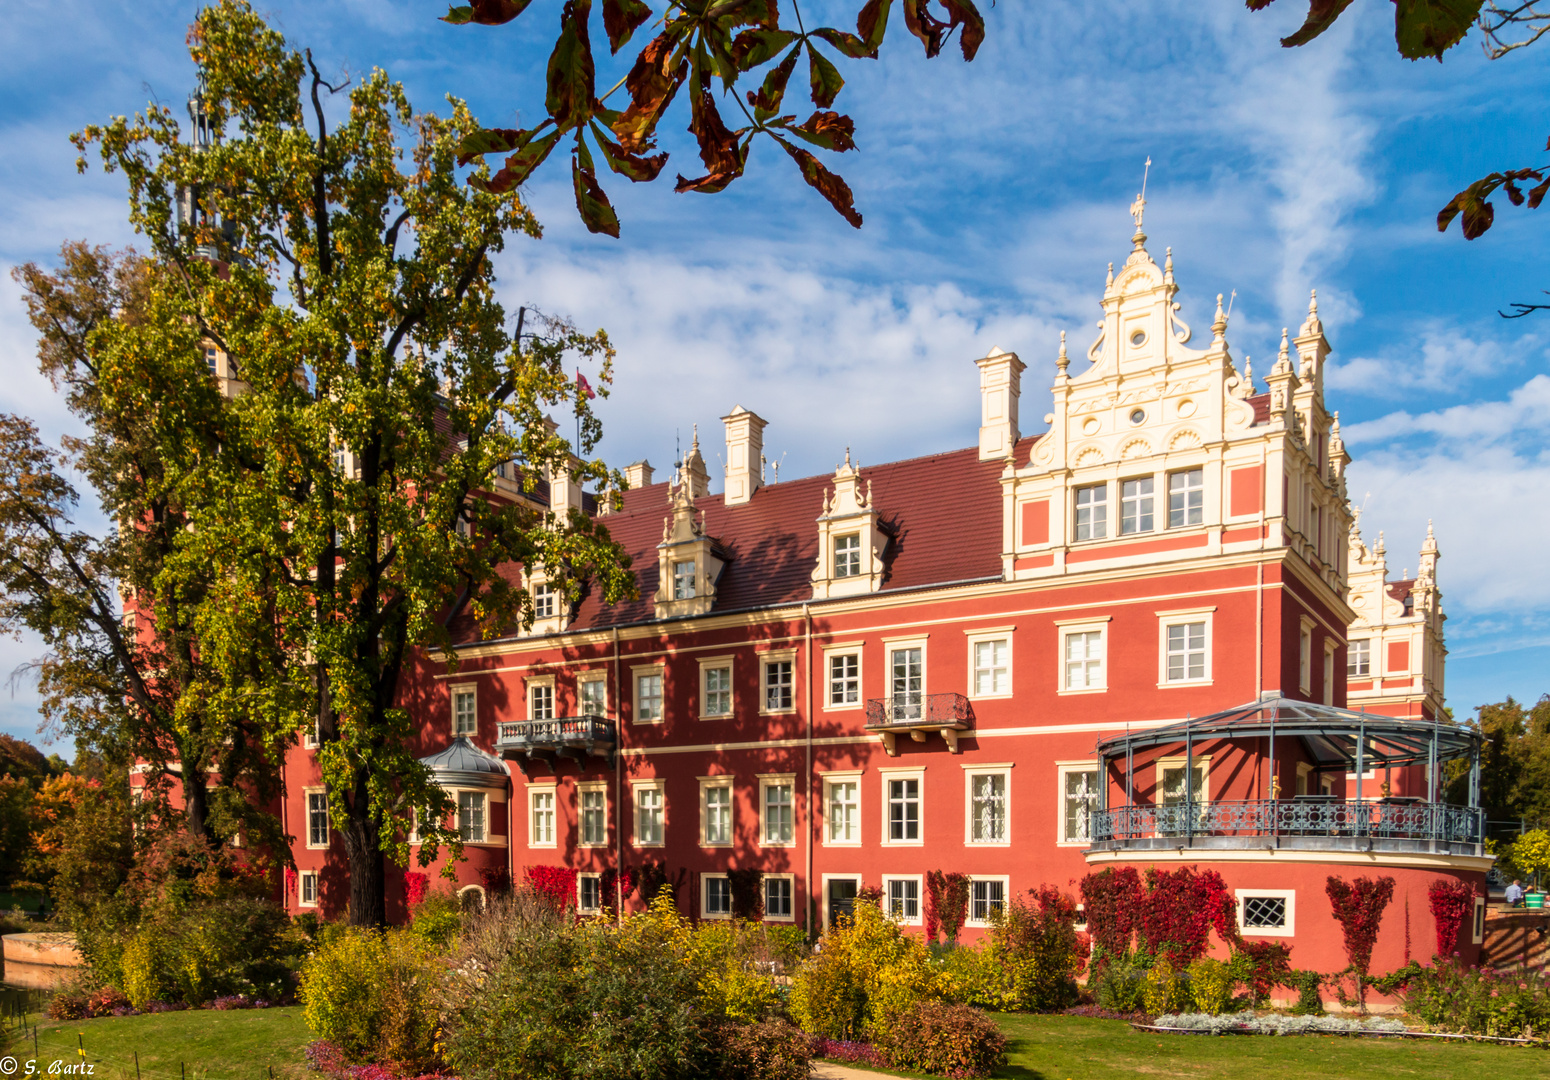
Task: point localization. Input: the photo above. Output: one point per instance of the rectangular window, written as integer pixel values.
(309, 889)
(718, 815)
(1305, 659)
(1084, 660)
(594, 697)
(904, 810)
(1135, 506)
(777, 686)
(777, 828)
(1171, 778)
(212, 361)
(1358, 659)
(777, 897)
(589, 893)
(541, 702)
(1267, 912)
(317, 819)
(544, 602)
(987, 808)
(844, 679)
(901, 899)
(683, 580)
(648, 698)
(718, 691)
(470, 816)
(1329, 674)
(1078, 802)
(1092, 512)
(1186, 651)
(992, 673)
(464, 716)
(847, 555)
(594, 817)
(648, 815)
(986, 896)
(906, 684)
(718, 896)
(1186, 498)
(542, 817)
(844, 811)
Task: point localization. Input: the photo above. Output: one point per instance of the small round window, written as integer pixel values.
(1137, 415)
(1138, 337)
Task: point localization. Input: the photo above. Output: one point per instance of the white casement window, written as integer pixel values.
(987, 895)
(842, 797)
(715, 812)
(1304, 777)
(906, 682)
(650, 814)
(545, 602)
(1329, 673)
(1170, 784)
(988, 807)
(540, 699)
(465, 528)
(1358, 659)
(991, 659)
(648, 695)
(308, 889)
(541, 816)
(1082, 658)
(1092, 512)
(1135, 506)
(309, 738)
(1305, 656)
(589, 893)
(465, 716)
(779, 898)
(317, 819)
(844, 679)
(683, 580)
(1267, 912)
(593, 813)
(716, 688)
(1186, 650)
(1079, 800)
(1477, 924)
(847, 555)
(593, 695)
(715, 896)
(901, 899)
(901, 804)
(778, 686)
(776, 824)
(1186, 498)
(213, 362)
(470, 817)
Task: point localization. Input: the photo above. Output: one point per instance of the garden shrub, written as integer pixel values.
(1272, 1024)
(1120, 984)
(1036, 947)
(866, 970)
(1468, 1001)
(1180, 909)
(737, 966)
(1211, 984)
(373, 995)
(1262, 966)
(557, 884)
(1358, 907)
(788, 944)
(437, 918)
(198, 952)
(935, 1037)
(768, 1050)
(1307, 985)
(417, 887)
(1111, 901)
(1164, 989)
(971, 976)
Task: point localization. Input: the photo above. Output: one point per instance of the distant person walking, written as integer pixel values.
(1515, 893)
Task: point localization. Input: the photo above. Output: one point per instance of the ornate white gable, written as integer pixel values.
(850, 541)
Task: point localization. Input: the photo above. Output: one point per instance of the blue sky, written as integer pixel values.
(994, 193)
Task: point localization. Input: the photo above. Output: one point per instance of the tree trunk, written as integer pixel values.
(196, 802)
(368, 864)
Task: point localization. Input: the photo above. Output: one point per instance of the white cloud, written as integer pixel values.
(1478, 425)
(1440, 357)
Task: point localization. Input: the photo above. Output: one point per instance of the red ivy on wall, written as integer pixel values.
(496, 880)
(612, 879)
(557, 884)
(1451, 902)
(947, 904)
(416, 887)
(1270, 962)
(290, 881)
(1359, 908)
(1111, 900)
(1172, 913)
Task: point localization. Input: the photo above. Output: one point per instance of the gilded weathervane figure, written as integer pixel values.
(1138, 208)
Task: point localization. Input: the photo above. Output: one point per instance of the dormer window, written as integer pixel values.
(1135, 506)
(847, 555)
(683, 580)
(1092, 512)
(544, 603)
(212, 360)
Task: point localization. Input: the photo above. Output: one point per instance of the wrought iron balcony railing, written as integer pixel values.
(919, 714)
(576, 737)
(1311, 823)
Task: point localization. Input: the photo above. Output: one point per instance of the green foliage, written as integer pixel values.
(1211, 984)
(1035, 944)
(736, 960)
(789, 944)
(373, 995)
(437, 919)
(1425, 29)
(1307, 984)
(865, 971)
(972, 976)
(1514, 762)
(935, 1037)
(1164, 988)
(766, 1050)
(1120, 984)
(1529, 856)
(1451, 998)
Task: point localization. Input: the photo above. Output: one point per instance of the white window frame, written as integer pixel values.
(302, 879)
(1289, 895)
(707, 783)
(1184, 617)
(1201, 762)
(830, 654)
(1365, 654)
(1062, 770)
(705, 912)
(591, 787)
(472, 691)
(533, 792)
(1330, 648)
(791, 884)
(1305, 655)
(645, 671)
(1187, 492)
(766, 782)
(830, 780)
(907, 644)
(309, 738)
(483, 798)
(823, 901)
(582, 908)
(889, 775)
(1304, 779)
(976, 638)
(970, 772)
(328, 828)
(766, 661)
(1065, 628)
(1093, 504)
(683, 584)
(852, 554)
(1147, 498)
(708, 665)
(1477, 922)
(546, 601)
(636, 788)
(920, 899)
(591, 679)
(1006, 895)
(542, 686)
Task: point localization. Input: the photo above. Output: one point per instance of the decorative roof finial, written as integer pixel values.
(847, 457)
(696, 444)
(1138, 208)
(1283, 358)
(1311, 325)
(1109, 281)
(1168, 267)
(1219, 324)
(1062, 361)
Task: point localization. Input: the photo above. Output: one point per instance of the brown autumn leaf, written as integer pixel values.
(486, 12)
(720, 150)
(823, 78)
(597, 213)
(766, 102)
(490, 141)
(638, 168)
(872, 24)
(828, 130)
(652, 82)
(572, 73)
(519, 166)
(620, 20)
(828, 184)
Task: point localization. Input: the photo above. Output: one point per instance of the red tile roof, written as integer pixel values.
(1261, 403)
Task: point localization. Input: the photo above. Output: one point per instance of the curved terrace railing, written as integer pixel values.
(1309, 823)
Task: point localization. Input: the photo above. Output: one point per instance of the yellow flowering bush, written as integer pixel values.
(373, 995)
(1211, 985)
(865, 971)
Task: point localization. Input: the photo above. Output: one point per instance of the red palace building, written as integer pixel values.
(1127, 640)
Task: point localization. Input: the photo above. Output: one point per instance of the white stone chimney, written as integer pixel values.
(564, 492)
(638, 474)
(745, 448)
(1000, 383)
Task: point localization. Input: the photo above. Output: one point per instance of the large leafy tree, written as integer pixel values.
(1514, 762)
(344, 267)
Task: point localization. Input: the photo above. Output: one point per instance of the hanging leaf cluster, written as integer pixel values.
(701, 46)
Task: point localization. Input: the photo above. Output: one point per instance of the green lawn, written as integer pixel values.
(236, 1045)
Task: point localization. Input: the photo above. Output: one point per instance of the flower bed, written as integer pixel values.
(1275, 1024)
